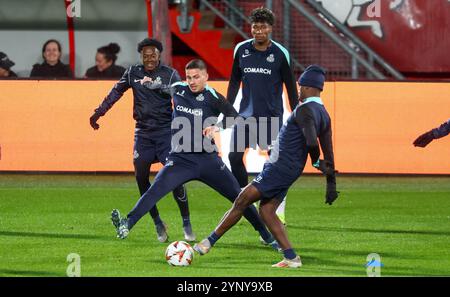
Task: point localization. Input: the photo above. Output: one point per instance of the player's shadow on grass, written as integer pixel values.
(53, 235)
(247, 246)
(323, 264)
(341, 252)
(411, 272)
(312, 260)
(15, 272)
(366, 230)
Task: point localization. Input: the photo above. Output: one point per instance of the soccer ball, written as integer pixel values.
(179, 253)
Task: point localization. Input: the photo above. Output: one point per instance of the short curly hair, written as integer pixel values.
(262, 15)
(150, 42)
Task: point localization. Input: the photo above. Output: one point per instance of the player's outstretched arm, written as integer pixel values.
(442, 131)
(226, 108)
(288, 78)
(230, 114)
(326, 144)
(306, 120)
(427, 137)
(235, 81)
(424, 139)
(114, 95)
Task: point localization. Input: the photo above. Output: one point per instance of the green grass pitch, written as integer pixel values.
(406, 220)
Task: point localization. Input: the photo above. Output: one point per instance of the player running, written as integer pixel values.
(194, 155)
(297, 139)
(152, 110)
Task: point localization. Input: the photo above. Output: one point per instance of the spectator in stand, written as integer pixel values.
(52, 67)
(5, 66)
(105, 67)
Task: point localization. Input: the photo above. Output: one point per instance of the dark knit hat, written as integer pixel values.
(149, 42)
(5, 62)
(313, 76)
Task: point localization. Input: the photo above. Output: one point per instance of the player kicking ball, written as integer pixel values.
(194, 155)
(297, 138)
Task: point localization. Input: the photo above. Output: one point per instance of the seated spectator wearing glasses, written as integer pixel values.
(105, 67)
(5, 66)
(52, 67)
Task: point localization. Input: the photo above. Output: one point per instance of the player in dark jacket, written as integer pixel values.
(152, 110)
(105, 63)
(297, 138)
(5, 67)
(52, 67)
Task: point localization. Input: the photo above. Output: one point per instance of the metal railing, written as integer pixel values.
(224, 18)
(336, 39)
(236, 13)
(342, 48)
(372, 56)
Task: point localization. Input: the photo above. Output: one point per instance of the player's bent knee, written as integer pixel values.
(266, 212)
(241, 203)
(263, 213)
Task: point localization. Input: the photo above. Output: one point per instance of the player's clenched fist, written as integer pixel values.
(93, 121)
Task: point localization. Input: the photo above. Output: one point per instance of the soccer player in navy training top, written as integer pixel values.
(297, 139)
(436, 133)
(194, 155)
(262, 65)
(152, 110)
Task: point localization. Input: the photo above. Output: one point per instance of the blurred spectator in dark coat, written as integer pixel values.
(5, 66)
(105, 67)
(52, 67)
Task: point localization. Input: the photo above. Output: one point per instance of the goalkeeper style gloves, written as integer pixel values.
(424, 139)
(331, 194)
(327, 169)
(93, 121)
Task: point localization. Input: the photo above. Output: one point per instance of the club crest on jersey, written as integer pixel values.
(200, 97)
(153, 83)
(157, 81)
(258, 179)
(246, 53)
(270, 58)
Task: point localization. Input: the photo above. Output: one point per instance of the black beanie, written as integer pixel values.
(313, 76)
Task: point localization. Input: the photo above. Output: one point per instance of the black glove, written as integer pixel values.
(424, 139)
(331, 194)
(325, 167)
(93, 121)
